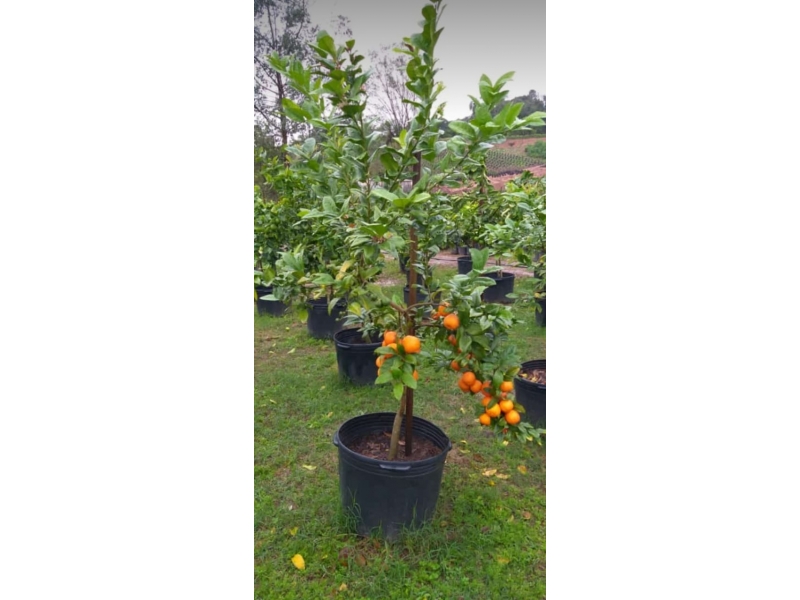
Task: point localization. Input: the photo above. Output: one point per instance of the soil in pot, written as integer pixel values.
(530, 391)
(388, 495)
(269, 307)
(356, 357)
(322, 325)
(376, 445)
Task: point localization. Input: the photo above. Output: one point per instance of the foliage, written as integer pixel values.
(384, 214)
(537, 150)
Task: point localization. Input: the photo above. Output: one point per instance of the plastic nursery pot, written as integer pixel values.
(388, 495)
(464, 264)
(356, 358)
(540, 316)
(531, 395)
(322, 325)
(504, 284)
(269, 307)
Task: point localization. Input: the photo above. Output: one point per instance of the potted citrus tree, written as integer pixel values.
(392, 489)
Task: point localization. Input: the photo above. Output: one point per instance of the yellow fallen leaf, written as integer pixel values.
(293, 530)
(463, 411)
(489, 472)
(291, 351)
(329, 415)
(343, 587)
(522, 469)
(491, 482)
(501, 476)
(297, 561)
(502, 560)
(309, 467)
(511, 519)
(505, 442)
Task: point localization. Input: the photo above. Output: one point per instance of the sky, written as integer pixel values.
(480, 37)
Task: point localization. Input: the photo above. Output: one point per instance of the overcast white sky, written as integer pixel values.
(488, 37)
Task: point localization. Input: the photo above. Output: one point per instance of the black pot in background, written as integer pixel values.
(322, 325)
(504, 284)
(464, 264)
(269, 307)
(356, 359)
(531, 395)
(540, 316)
(403, 263)
(389, 495)
(463, 250)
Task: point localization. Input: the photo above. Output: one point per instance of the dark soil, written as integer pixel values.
(534, 376)
(376, 445)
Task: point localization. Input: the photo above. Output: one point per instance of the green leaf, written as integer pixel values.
(384, 377)
(462, 128)
(409, 380)
(384, 193)
(479, 258)
(398, 390)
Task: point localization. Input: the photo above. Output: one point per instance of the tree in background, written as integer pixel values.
(284, 27)
(389, 97)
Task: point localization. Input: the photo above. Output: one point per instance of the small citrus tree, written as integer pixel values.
(382, 217)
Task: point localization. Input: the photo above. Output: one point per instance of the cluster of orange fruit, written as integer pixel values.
(469, 381)
(494, 406)
(410, 343)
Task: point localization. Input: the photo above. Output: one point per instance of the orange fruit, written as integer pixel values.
(506, 386)
(463, 386)
(494, 411)
(475, 387)
(486, 400)
(393, 346)
(455, 366)
(415, 375)
(379, 361)
(452, 339)
(442, 310)
(468, 378)
(506, 405)
(512, 417)
(389, 337)
(485, 419)
(451, 322)
(411, 344)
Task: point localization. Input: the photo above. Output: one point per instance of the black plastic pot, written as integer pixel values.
(322, 325)
(269, 307)
(531, 395)
(356, 359)
(388, 495)
(464, 264)
(504, 284)
(540, 316)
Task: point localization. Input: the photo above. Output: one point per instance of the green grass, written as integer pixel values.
(487, 539)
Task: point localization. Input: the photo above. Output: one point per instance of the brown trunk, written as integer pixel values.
(412, 299)
(284, 132)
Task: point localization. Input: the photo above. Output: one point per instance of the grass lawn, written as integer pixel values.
(487, 539)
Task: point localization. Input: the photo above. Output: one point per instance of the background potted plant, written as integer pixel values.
(392, 491)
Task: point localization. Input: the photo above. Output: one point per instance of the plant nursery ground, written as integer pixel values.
(487, 539)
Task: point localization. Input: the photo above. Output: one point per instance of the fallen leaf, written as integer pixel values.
(505, 442)
(322, 388)
(489, 472)
(309, 467)
(273, 401)
(526, 515)
(501, 476)
(522, 469)
(297, 561)
(511, 519)
(291, 351)
(361, 560)
(491, 482)
(329, 415)
(463, 411)
(343, 587)
(477, 457)
(293, 530)
(502, 560)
